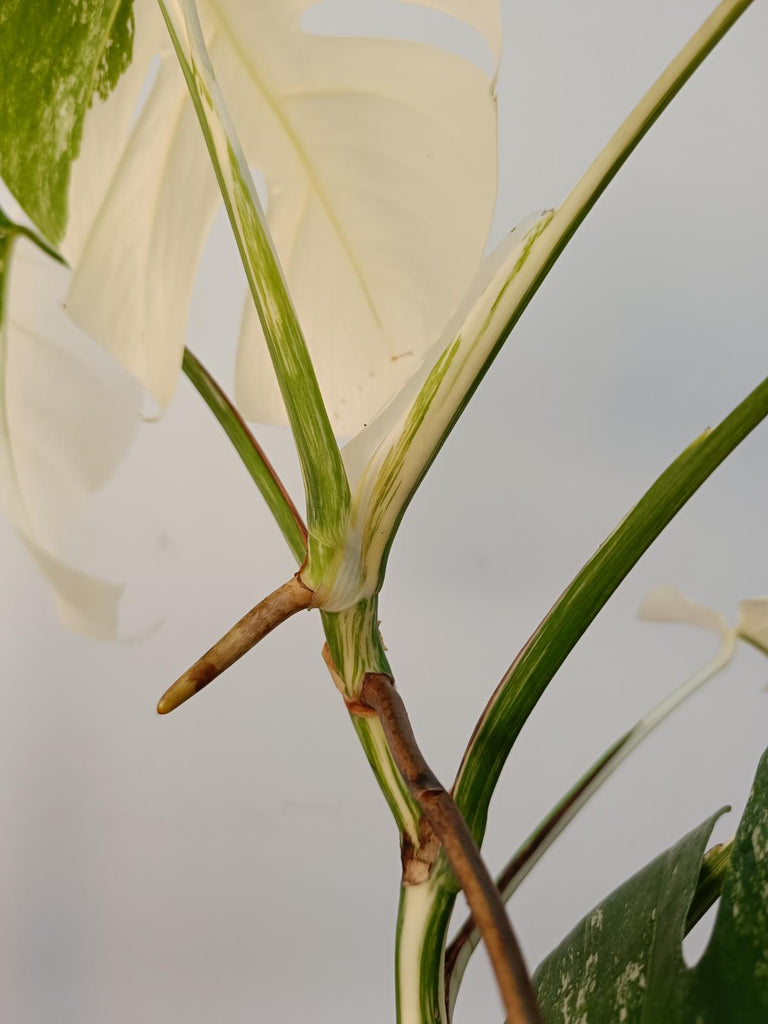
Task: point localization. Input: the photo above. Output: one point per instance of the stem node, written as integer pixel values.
(378, 692)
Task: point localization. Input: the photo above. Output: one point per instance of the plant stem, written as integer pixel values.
(278, 606)
(422, 922)
(354, 647)
(378, 692)
(468, 937)
(254, 458)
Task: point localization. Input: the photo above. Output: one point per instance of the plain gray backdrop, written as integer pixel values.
(235, 861)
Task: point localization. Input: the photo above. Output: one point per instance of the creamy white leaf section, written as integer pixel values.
(107, 128)
(386, 460)
(669, 604)
(67, 417)
(753, 621)
(142, 201)
(380, 162)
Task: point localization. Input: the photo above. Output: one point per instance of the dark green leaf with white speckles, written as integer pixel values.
(603, 969)
(624, 963)
(53, 58)
(730, 982)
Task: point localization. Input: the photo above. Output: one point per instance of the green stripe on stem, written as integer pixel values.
(462, 853)
(422, 922)
(355, 648)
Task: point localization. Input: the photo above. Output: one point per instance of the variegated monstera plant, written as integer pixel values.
(363, 323)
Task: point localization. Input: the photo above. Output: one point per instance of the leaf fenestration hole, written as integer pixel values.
(697, 940)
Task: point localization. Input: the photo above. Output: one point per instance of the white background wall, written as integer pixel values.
(234, 861)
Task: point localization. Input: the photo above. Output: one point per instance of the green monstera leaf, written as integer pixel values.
(53, 61)
(624, 962)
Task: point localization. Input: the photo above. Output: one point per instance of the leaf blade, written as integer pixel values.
(732, 975)
(348, 130)
(612, 956)
(379, 204)
(641, 926)
(65, 423)
(51, 65)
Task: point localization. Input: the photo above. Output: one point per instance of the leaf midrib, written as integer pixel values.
(285, 123)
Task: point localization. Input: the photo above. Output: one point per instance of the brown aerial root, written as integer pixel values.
(437, 805)
(278, 606)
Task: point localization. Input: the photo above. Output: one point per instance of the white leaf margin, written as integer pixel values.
(67, 418)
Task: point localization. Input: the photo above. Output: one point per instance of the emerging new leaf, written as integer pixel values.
(386, 461)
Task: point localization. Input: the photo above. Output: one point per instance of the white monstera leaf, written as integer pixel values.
(67, 416)
(380, 162)
(668, 604)
(386, 460)
(753, 622)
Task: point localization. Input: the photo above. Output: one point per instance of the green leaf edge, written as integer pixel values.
(730, 980)
(681, 863)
